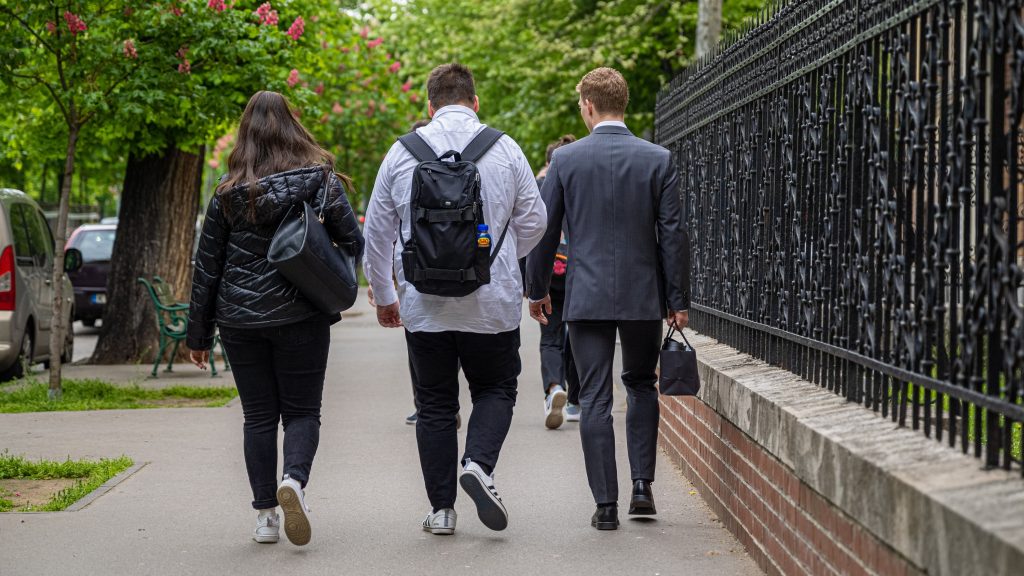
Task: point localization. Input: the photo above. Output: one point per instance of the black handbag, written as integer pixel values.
(678, 367)
(304, 253)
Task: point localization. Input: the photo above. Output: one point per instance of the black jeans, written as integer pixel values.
(556, 362)
(491, 364)
(279, 372)
(552, 345)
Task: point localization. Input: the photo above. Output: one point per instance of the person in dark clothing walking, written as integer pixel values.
(629, 269)
(276, 339)
(558, 371)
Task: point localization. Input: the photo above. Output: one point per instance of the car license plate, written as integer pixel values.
(99, 298)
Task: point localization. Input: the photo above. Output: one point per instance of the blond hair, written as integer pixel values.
(606, 89)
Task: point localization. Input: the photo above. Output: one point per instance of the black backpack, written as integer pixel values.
(441, 256)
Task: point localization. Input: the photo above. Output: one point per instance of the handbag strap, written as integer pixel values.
(673, 329)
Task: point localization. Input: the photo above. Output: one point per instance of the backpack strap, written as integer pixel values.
(501, 240)
(479, 146)
(418, 147)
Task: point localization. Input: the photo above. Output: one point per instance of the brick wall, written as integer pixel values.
(787, 527)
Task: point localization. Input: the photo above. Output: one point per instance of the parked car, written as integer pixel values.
(26, 286)
(96, 243)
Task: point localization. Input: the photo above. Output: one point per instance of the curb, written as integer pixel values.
(103, 488)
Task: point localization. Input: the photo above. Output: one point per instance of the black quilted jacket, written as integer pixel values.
(233, 283)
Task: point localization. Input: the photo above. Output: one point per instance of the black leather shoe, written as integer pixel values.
(605, 518)
(642, 502)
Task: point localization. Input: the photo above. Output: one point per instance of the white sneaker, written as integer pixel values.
(441, 522)
(267, 528)
(480, 488)
(572, 412)
(296, 514)
(553, 405)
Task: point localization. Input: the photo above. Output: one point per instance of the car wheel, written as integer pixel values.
(89, 322)
(24, 359)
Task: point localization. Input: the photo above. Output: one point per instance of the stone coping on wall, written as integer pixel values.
(934, 505)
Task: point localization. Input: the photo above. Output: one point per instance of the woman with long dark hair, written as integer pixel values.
(276, 339)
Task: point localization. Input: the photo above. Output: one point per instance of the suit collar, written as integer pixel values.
(611, 129)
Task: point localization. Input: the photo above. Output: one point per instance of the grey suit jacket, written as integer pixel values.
(629, 252)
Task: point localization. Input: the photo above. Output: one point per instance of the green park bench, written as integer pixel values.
(172, 325)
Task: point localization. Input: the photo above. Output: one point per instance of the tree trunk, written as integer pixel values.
(155, 234)
(709, 25)
(57, 324)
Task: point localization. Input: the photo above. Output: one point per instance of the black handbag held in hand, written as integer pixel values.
(678, 367)
(304, 253)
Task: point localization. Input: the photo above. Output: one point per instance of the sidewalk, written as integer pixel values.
(187, 511)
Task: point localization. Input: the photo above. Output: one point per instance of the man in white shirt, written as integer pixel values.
(480, 330)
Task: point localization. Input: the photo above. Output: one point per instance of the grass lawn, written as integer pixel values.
(82, 476)
(99, 395)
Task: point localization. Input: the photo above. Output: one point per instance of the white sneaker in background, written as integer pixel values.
(572, 412)
(268, 526)
(292, 500)
(441, 522)
(553, 405)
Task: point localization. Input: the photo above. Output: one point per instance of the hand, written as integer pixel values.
(369, 296)
(200, 358)
(389, 316)
(541, 309)
(679, 319)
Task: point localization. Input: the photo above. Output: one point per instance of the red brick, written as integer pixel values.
(865, 548)
(843, 530)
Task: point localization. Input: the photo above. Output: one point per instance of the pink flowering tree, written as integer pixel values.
(355, 97)
(72, 66)
(150, 84)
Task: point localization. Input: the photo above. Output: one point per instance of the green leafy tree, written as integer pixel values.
(528, 55)
(46, 48)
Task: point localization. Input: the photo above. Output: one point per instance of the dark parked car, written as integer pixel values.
(96, 243)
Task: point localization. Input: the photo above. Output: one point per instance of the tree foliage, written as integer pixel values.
(528, 55)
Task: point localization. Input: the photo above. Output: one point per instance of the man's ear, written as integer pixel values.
(476, 103)
(430, 109)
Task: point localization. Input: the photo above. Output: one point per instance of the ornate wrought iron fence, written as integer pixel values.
(852, 181)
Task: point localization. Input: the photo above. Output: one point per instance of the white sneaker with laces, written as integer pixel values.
(441, 522)
(296, 514)
(553, 405)
(268, 528)
(480, 488)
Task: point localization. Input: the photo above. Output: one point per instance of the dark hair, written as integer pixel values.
(270, 140)
(419, 124)
(567, 139)
(450, 84)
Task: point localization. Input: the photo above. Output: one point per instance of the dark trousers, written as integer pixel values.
(556, 363)
(491, 364)
(279, 372)
(552, 345)
(594, 351)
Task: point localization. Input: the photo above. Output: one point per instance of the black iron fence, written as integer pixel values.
(852, 181)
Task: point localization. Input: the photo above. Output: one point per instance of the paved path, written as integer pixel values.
(187, 511)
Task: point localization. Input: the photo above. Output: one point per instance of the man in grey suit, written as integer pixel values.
(628, 266)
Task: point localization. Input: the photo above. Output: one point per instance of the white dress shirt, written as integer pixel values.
(507, 187)
(618, 123)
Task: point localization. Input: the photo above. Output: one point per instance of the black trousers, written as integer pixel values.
(556, 363)
(552, 345)
(279, 372)
(594, 351)
(492, 365)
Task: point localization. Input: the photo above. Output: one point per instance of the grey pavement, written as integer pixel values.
(187, 511)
